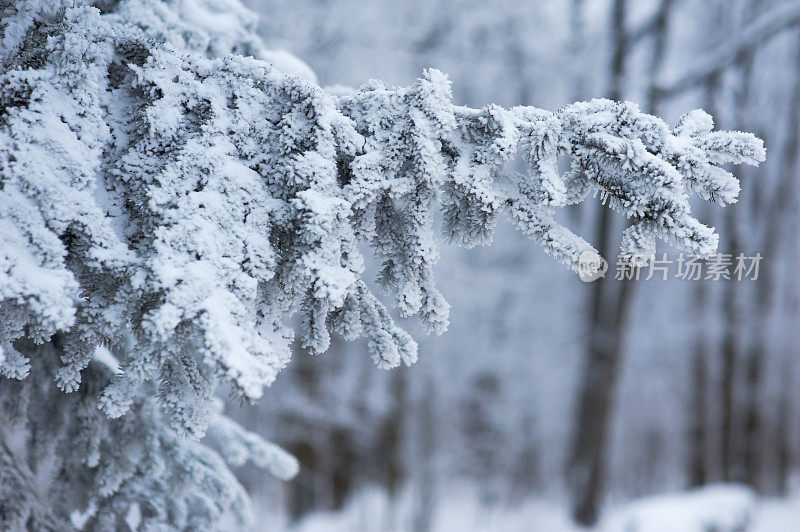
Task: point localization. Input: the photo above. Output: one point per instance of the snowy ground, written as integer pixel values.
(719, 508)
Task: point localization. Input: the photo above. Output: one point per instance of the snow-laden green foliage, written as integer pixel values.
(169, 195)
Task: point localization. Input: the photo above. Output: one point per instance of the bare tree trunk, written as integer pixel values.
(577, 35)
(699, 405)
(787, 416)
(343, 455)
(660, 27)
(729, 356)
(698, 414)
(753, 432)
(304, 491)
(784, 433)
(391, 435)
(519, 60)
(766, 287)
(785, 424)
(594, 420)
(577, 45)
(609, 304)
(733, 467)
(426, 490)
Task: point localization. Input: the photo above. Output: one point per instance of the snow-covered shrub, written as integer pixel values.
(168, 195)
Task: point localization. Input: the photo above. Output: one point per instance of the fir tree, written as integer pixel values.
(172, 201)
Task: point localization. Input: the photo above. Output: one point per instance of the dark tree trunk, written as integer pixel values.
(785, 455)
(587, 463)
(594, 420)
(774, 216)
(753, 434)
(577, 44)
(391, 435)
(733, 467)
(698, 433)
(304, 496)
(577, 33)
(699, 408)
(426, 490)
(342, 469)
(729, 356)
(609, 303)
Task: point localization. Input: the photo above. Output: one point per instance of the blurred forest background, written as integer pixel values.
(545, 386)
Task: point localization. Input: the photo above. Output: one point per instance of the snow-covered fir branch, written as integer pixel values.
(169, 194)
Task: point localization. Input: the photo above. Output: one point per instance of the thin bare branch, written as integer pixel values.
(759, 32)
